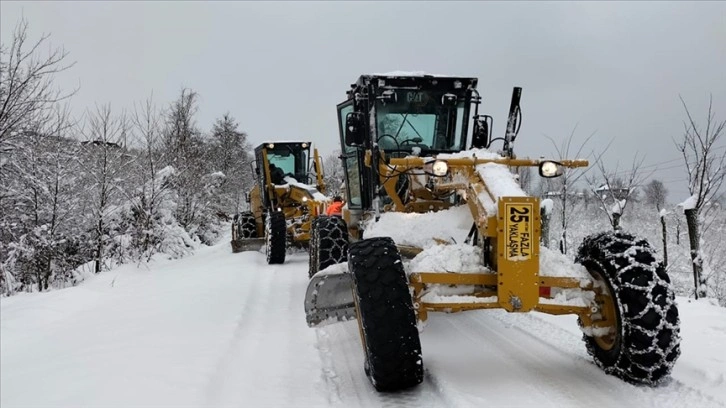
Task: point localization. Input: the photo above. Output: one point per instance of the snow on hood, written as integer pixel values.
(474, 153)
(317, 195)
(419, 230)
(500, 181)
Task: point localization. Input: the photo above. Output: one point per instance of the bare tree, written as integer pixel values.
(562, 187)
(656, 193)
(705, 167)
(616, 189)
(27, 93)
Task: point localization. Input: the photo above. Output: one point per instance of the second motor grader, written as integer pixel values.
(284, 201)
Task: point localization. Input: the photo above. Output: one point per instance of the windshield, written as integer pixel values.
(419, 119)
(291, 161)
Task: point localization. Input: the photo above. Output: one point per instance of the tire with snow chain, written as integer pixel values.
(246, 225)
(275, 237)
(312, 253)
(646, 342)
(386, 316)
(328, 243)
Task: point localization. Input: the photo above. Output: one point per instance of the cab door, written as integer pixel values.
(352, 160)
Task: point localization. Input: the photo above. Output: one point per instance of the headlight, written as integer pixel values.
(304, 145)
(270, 145)
(550, 169)
(440, 168)
(304, 199)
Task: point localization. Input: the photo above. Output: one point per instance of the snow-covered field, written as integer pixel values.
(222, 329)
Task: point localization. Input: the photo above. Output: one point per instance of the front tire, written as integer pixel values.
(641, 303)
(275, 237)
(386, 316)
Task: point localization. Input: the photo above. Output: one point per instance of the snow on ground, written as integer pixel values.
(218, 329)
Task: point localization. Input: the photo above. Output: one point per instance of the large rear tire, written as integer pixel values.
(328, 243)
(386, 316)
(275, 237)
(638, 297)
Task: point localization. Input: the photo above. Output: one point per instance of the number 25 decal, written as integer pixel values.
(519, 215)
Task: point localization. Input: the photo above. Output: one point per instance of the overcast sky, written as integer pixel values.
(280, 68)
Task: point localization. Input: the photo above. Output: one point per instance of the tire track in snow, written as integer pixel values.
(227, 359)
(328, 375)
(342, 358)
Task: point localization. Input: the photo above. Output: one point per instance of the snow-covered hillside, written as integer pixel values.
(223, 329)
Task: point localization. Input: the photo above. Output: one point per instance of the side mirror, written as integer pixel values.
(480, 133)
(257, 170)
(247, 197)
(550, 169)
(354, 128)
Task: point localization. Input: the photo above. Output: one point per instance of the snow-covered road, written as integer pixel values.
(226, 330)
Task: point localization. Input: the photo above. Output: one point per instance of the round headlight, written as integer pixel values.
(270, 145)
(304, 145)
(304, 199)
(548, 169)
(440, 168)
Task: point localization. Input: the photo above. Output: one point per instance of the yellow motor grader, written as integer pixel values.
(284, 201)
(418, 189)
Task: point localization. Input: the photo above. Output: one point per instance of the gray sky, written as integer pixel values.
(280, 68)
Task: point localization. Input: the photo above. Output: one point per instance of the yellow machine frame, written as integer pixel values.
(514, 283)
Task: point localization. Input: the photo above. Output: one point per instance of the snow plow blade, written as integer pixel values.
(247, 244)
(329, 299)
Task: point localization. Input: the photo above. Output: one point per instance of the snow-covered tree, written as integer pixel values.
(613, 190)
(105, 161)
(231, 154)
(196, 182)
(333, 174)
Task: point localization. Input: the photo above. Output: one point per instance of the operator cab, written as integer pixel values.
(401, 114)
(287, 161)
(284, 163)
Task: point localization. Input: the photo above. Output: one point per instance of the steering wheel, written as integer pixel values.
(416, 142)
(398, 145)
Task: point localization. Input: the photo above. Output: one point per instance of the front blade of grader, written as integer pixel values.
(329, 298)
(247, 244)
